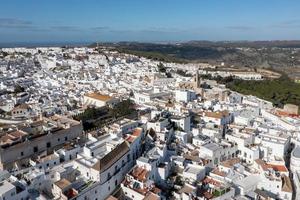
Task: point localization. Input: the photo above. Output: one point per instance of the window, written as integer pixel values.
(22, 153)
(116, 182)
(35, 149)
(48, 144)
(216, 161)
(128, 157)
(66, 138)
(58, 139)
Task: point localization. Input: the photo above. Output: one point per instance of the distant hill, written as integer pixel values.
(280, 55)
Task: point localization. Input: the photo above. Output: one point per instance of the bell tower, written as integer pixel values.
(197, 80)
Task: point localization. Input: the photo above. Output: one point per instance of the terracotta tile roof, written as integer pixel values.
(151, 196)
(193, 158)
(6, 139)
(140, 173)
(156, 190)
(63, 183)
(47, 158)
(22, 106)
(71, 193)
(18, 133)
(265, 166)
(286, 184)
(218, 172)
(98, 96)
(208, 180)
(208, 195)
(285, 113)
(280, 168)
(217, 115)
(12, 136)
(109, 159)
(130, 138)
(230, 163)
(137, 132)
(111, 198)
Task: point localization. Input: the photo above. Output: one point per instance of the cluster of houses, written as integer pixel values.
(192, 138)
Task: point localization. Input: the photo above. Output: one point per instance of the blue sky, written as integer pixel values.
(148, 20)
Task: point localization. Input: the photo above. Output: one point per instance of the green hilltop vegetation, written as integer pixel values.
(153, 55)
(279, 91)
(260, 54)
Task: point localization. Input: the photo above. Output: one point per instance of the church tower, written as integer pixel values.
(197, 80)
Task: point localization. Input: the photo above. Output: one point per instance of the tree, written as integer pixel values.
(19, 89)
(169, 75)
(161, 68)
(123, 108)
(131, 94)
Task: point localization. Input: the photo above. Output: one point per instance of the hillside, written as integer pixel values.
(279, 55)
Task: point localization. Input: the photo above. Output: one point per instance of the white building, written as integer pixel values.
(139, 185)
(185, 95)
(295, 160)
(193, 173)
(182, 122)
(273, 146)
(13, 191)
(218, 152)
